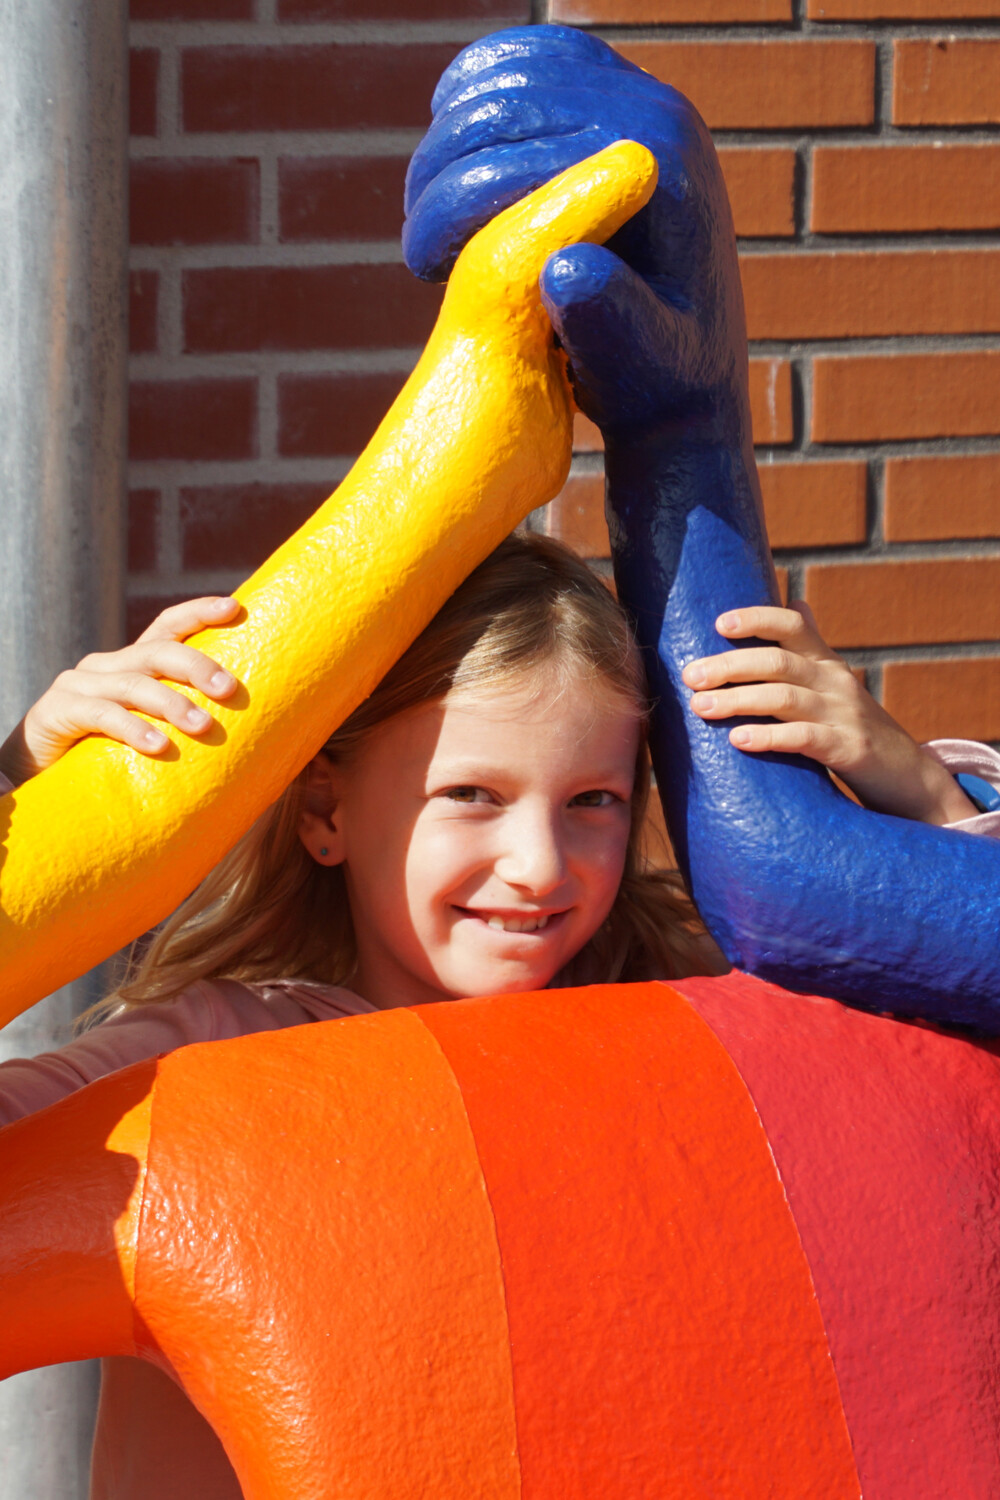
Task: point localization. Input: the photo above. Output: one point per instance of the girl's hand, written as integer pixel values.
(96, 696)
(822, 711)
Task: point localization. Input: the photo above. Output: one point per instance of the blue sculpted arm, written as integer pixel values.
(796, 883)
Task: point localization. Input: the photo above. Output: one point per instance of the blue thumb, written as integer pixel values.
(626, 348)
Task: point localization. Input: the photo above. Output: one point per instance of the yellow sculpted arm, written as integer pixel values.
(105, 843)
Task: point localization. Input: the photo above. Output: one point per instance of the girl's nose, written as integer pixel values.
(534, 855)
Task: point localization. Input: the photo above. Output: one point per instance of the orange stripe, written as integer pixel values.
(665, 1333)
(69, 1177)
(318, 1261)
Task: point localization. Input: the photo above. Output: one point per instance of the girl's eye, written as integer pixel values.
(467, 794)
(594, 799)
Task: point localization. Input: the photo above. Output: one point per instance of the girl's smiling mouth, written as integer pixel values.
(500, 921)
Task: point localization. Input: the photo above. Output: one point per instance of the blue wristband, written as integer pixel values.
(985, 797)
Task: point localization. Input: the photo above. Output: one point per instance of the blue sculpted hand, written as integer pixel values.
(653, 321)
(796, 883)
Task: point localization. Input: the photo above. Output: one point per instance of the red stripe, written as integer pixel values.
(664, 1331)
(887, 1138)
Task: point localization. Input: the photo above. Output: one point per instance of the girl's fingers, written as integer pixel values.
(159, 658)
(184, 664)
(181, 620)
(778, 700)
(802, 608)
(102, 716)
(817, 741)
(74, 709)
(793, 627)
(755, 664)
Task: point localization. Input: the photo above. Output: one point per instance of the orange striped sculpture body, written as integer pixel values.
(641, 1240)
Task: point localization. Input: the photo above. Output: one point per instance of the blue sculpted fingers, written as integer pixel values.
(519, 112)
(467, 194)
(524, 43)
(506, 97)
(618, 336)
(536, 99)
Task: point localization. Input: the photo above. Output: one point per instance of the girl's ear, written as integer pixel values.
(319, 828)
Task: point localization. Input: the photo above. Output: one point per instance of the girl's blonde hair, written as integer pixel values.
(269, 911)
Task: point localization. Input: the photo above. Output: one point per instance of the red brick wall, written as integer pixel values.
(273, 321)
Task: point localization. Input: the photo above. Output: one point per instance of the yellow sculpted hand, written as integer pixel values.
(106, 842)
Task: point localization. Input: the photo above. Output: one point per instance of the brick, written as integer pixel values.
(770, 409)
(586, 435)
(341, 197)
(901, 10)
(143, 305)
(143, 90)
(193, 419)
(767, 83)
(906, 603)
(953, 699)
(946, 81)
(782, 576)
(885, 397)
(306, 307)
(933, 499)
(509, 12)
(191, 10)
(849, 294)
(324, 415)
(239, 525)
(335, 87)
(895, 189)
(815, 504)
(576, 516)
(771, 402)
(761, 185)
(143, 524)
(805, 505)
(193, 201)
(668, 12)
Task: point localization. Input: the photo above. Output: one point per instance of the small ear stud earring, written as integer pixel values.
(324, 853)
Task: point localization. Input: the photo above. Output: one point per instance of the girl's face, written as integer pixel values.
(483, 837)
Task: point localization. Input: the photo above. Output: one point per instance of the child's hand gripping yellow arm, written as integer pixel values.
(105, 843)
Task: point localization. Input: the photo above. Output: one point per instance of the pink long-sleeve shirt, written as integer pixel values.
(151, 1443)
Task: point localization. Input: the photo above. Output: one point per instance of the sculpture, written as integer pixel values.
(642, 1239)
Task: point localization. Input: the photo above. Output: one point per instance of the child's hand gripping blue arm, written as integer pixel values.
(796, 883)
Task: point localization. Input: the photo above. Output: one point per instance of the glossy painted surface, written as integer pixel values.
(708, 1239)
(887, 1138)
(479, 436)
(796, 883)
(664, 1331)
(67, 1279)
(334, 1302)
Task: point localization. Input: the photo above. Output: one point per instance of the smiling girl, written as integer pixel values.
(474, 828)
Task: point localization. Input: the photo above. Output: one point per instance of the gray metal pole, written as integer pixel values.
(63, 325)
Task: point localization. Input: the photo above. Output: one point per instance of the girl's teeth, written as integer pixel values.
(515, 924)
